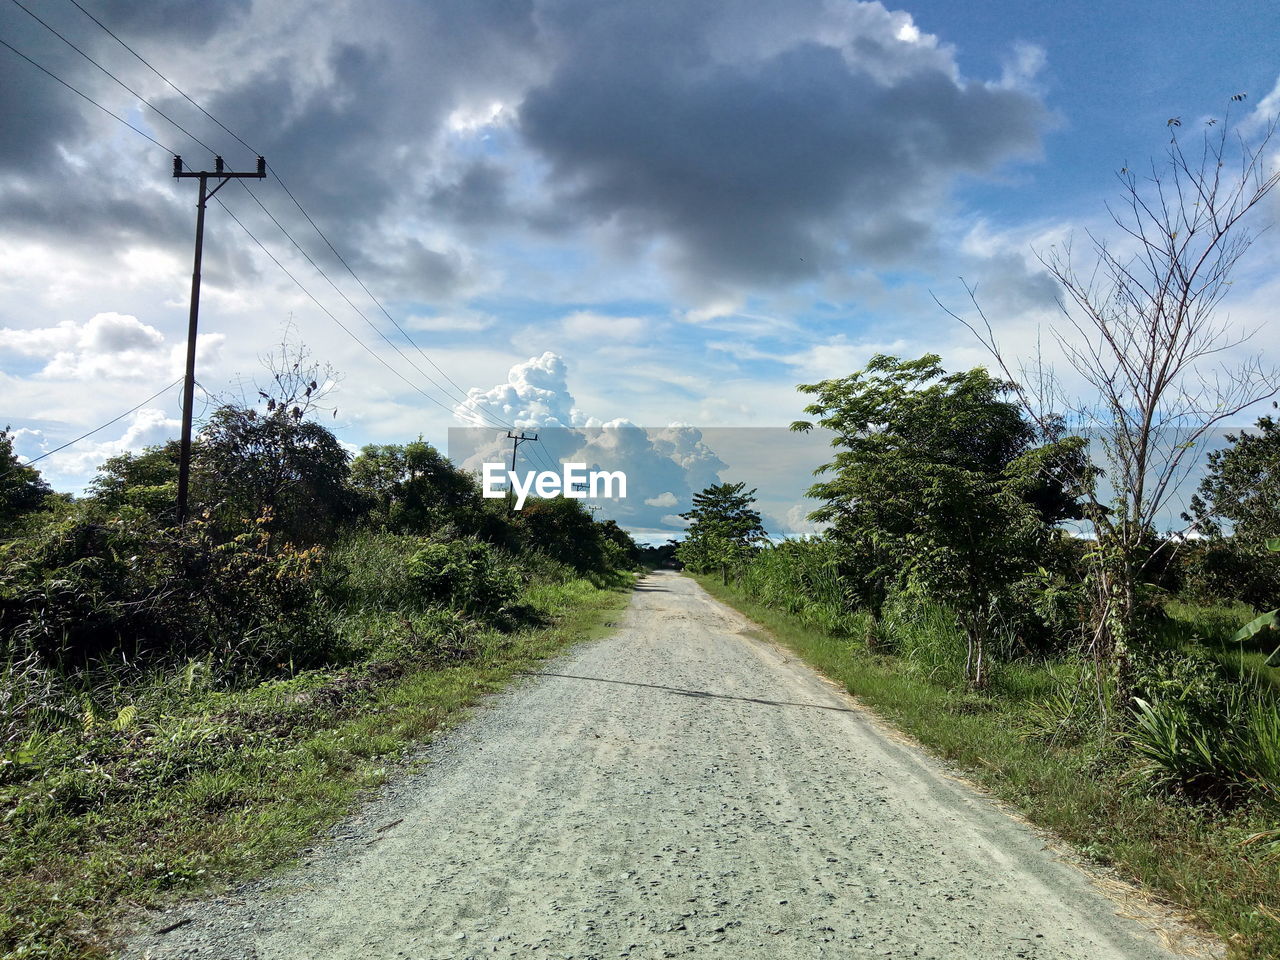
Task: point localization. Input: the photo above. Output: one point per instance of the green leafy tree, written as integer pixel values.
(1242, 486)
(22, 489)
(1237, 507)
(724, 529)
(564, 530)
(148, 479)
(248, 464)
(413, 488)
(937, 482)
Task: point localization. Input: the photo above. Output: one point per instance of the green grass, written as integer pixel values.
(1194, 856)
(1211, 628)
(205, 788)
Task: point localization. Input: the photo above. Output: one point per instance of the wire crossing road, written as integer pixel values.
(681, 787)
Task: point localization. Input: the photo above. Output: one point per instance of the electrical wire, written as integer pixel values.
(84, 436)
(462, 396)
(54, 31)
(329, 313)
(148, 65)
(79, 93)
(320, 270)
(170, 150)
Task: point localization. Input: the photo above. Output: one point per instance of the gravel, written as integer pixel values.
(683, 786)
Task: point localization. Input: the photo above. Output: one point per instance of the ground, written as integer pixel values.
(681, 786)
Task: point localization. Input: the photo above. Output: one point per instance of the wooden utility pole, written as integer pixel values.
(189, 386)
(515, 445)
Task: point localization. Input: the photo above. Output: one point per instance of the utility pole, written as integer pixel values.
(189, 386)
(515, 445)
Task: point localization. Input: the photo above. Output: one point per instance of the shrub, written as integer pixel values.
(466, 574)
(89, 585)
(1202, 737)
(1069, 713)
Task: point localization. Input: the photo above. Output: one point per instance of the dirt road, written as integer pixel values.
(680, 787)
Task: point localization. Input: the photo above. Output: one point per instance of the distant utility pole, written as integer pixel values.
(189, 388)
(515, 445)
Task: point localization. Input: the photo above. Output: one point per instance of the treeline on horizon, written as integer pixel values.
(283, 524)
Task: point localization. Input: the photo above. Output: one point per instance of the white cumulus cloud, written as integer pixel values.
(107, 345)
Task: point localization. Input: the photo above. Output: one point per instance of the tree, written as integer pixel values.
(413, 488)
(1241, 487)
(148, 479)
(937, 482)
(248, 464)
(277, 460)
(723, 531)
(22, 489)
(1142, 331)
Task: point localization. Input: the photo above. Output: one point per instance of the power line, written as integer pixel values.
(85, 96)
(148, 65)
(461, 396)
(320, 270)
(84, 436)
(330, 314)
(463, 399)
(169, 150)
(54, 31)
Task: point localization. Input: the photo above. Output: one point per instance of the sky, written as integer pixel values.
(582, 213)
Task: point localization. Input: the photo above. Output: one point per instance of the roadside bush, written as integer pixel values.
(1228, 756)
(924, 633)
(438, 636)
(1192, 679)
(465, 574)
(800, 577)
(88, 585)
(1068, 714)
(1220, 570)
(1201, 736)
(369, 569)
(1045, 613)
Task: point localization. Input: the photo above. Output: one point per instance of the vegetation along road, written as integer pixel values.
(683, 786)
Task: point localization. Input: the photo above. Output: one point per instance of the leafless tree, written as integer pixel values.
(1141, 328)
(300, 385)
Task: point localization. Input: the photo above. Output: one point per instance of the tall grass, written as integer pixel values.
(800, 578)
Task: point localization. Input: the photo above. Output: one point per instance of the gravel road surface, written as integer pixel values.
(681, 787)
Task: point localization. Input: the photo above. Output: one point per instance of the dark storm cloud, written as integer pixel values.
(344, 102)
(189, 21)
(34, 116)
(36, 113)
(478, 196)
(764, 168)
(760, 141)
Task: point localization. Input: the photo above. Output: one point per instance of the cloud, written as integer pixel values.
(664, 466)
(763, 149)
(107, 345)
(147, 427)
(587, 324)
(536, 395)
(738, 145)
